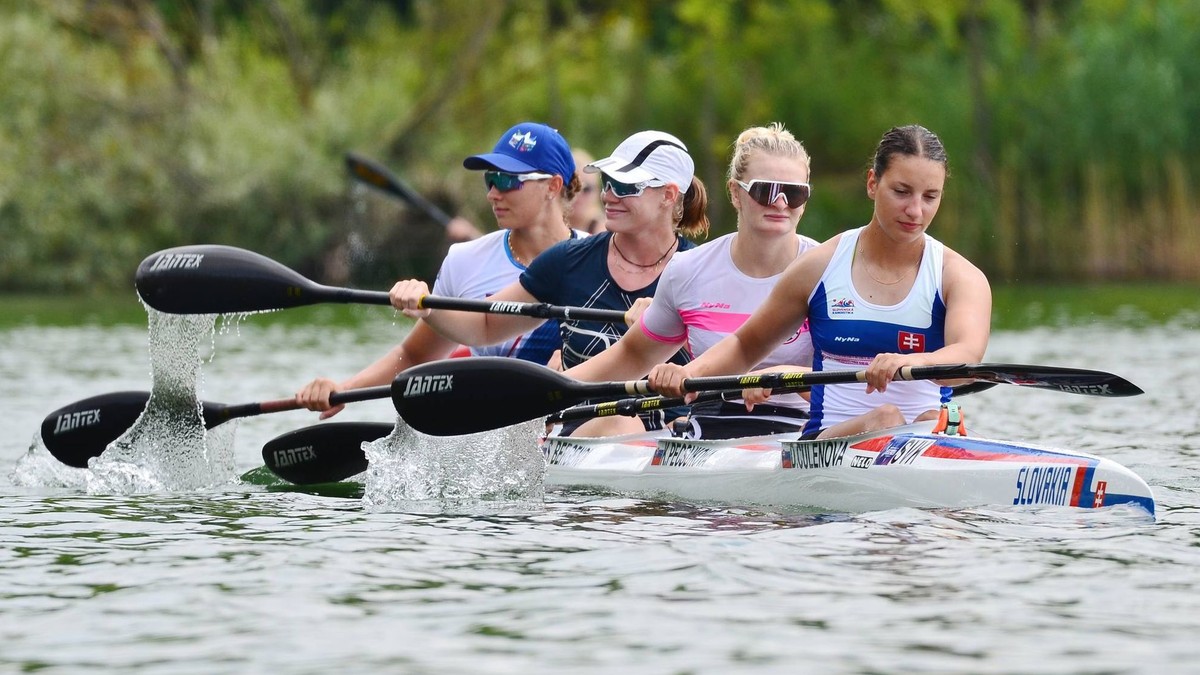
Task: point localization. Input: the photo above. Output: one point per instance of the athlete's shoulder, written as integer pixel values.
(956, 267)
(581, 245)
(806, 243)
(705, 250)
(477, 247)
(821, 253)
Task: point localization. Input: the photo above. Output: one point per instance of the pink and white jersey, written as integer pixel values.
(702, 297)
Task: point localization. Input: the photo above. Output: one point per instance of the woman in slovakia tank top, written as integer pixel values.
(880, 297)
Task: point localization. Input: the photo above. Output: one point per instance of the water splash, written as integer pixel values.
(38, 468)
(168, 448)
(487, 473)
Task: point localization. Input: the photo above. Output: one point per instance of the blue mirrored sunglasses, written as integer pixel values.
(507, 182)
(623, 190)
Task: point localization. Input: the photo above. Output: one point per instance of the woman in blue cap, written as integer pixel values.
(651, 201)
(530, 177)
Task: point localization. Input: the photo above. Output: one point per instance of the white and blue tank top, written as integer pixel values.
(848, 332)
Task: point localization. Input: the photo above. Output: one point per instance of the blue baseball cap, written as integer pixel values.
(527, 148)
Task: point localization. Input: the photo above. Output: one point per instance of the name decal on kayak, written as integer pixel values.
(904, 450)
(563, 453)
(177, 261)
(419, 385)
(290, 456)
(76, 420)
(861, 462)
(680, 454)
(1044, 485)
(813, 454)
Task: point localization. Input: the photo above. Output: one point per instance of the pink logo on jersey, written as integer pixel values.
(910, 342)
(841, 306)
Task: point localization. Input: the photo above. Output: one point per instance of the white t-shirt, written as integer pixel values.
(479, 268)
(702, 297)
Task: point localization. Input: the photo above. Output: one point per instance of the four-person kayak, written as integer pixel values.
(898, 467)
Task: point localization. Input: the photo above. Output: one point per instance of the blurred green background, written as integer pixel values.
(134, 125)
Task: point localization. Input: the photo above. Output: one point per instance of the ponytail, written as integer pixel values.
(693, 212)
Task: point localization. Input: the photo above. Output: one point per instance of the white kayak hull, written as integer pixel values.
(900, 467)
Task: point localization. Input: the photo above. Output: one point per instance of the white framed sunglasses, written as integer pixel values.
(765, 192)
(507, 182)
(623, 190)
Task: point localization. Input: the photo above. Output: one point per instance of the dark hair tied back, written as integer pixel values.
(912, 140)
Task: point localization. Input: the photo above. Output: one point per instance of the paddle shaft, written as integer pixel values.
(538, 310)
(629, 407)
(1070, 380)
(225, 413)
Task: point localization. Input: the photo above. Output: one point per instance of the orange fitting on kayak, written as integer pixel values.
(951, 421)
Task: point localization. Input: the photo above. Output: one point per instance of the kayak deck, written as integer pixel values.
(903, 466)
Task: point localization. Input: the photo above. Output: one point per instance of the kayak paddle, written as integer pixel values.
(216, 279)
(82, 430)
(375, 175)
(629, 407)
(461, 396)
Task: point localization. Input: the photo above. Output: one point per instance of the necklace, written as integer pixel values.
(867, 268)
(523, 260)
(654, 264)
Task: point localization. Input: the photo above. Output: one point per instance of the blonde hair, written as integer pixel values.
(772, 139)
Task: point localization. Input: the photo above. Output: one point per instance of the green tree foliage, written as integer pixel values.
(134, 125)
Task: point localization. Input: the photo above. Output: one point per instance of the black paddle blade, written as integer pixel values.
(82, 430)
(323, 453)
(1070, 380)
(463, 396)
(212, 279)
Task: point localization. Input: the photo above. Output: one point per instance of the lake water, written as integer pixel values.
(236, 578)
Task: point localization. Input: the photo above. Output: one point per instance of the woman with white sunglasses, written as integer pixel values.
(652, 201)
(706, 293)
(530, 177)
(880, 297)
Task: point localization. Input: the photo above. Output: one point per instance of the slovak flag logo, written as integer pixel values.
(910, 342)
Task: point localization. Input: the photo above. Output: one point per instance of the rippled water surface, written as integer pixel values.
(234, 577)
